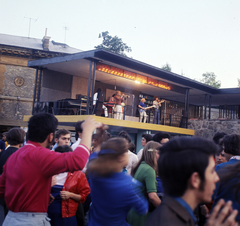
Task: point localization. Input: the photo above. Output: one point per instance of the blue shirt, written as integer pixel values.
(112, 198)
(186, 207)
(142, 105)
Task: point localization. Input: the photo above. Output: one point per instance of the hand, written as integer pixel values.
(100, 137)
(90, 124)
(65, 195)
(54, 180)
(204, 210)
(226, 217)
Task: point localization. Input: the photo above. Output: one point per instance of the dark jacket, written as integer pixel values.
(170, 213)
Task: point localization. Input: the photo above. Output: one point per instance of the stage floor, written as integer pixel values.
(70, 120)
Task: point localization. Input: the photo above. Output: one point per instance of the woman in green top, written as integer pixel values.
(145, 172)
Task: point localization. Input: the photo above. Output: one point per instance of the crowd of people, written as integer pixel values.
(100, 180)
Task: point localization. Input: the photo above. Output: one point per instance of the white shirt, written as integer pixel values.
(95, 98)
(133, 159)
(61, 178)
(74, 146)
(139, 154)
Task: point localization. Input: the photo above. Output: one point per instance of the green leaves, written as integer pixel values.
(167, 67)
(209, 78)
(113, 44)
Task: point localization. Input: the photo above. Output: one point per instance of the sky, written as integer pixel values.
(193, 36)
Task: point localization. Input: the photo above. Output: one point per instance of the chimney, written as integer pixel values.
(45, 41)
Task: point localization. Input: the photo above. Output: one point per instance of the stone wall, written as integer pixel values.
(207, 128)
(15, 101)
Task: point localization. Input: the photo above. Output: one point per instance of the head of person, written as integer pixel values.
(150, 155)
(41, 128)
(4, 136)
(99, 90)
(218, 136)
(78, 130)
(145, 138)
(106, 135)
(231, 145)
(161, 137)
(125, 135)
(112, 157)
(15, 136)
(132, 147)
(62, 137)
(186, 166)
(155, 98)
(220, 156)
(95, 139)
(143, 100)
(63, 149)
(118, 93)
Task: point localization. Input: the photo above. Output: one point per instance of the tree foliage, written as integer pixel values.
(167, 67)
(209, 78)
(113, 44)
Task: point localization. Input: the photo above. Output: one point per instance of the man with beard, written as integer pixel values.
(26, 179)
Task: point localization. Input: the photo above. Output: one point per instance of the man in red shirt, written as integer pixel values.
(26, 180)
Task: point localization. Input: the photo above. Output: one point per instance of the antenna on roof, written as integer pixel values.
(30, 19)
(65, 37)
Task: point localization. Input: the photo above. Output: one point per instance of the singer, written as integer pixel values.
(119, 99)
(157, 110)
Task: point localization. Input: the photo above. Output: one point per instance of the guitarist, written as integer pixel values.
(157, 110)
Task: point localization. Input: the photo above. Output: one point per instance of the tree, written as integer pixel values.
(113, 44)
(209, 78)
(167, 67)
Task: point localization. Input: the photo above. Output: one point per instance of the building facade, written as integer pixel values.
(17, 81)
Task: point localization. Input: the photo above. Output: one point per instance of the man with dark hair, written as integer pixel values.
(78, 135)
(218, 136)
(231, 146)
(133, 159)
(161, 137)
(220, 156)
(186, 168)
(63, 137)
(26, 179)
(145, 138)
(96, 97)
(15, 138)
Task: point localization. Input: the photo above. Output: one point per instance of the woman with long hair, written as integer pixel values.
(145, 172)
(113, 192)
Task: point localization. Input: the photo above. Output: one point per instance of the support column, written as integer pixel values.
(186, 106)
(93, 84)
(205, 107)
(89, 85)
(210, 105)
(39, 85)
(35, 89)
